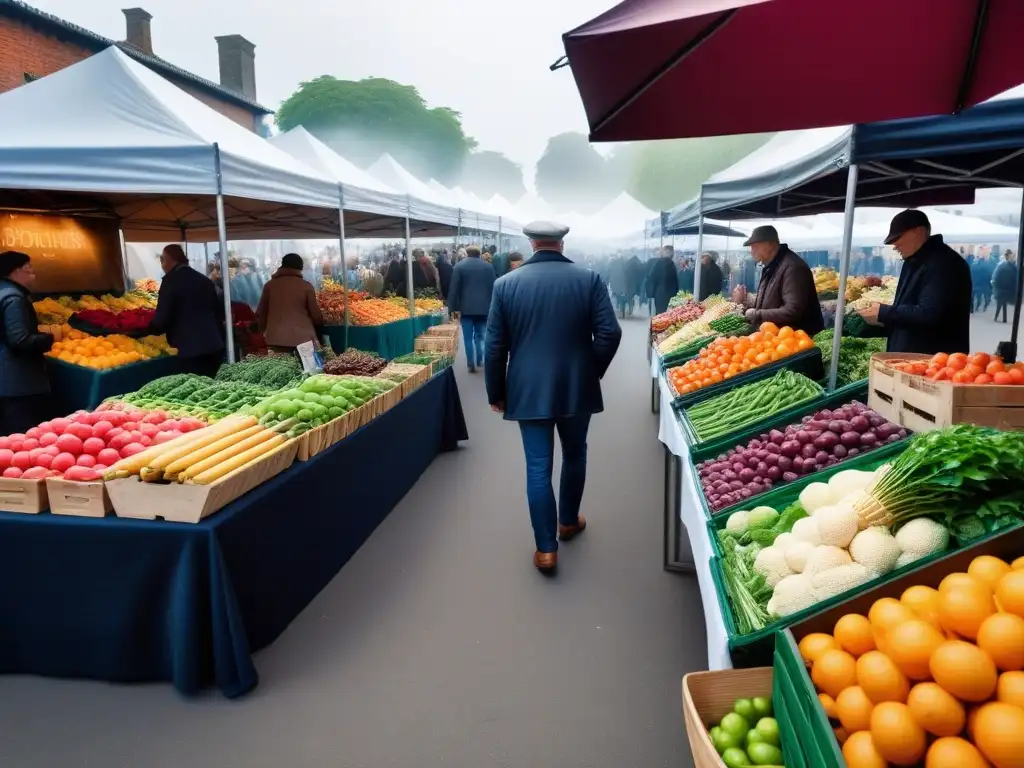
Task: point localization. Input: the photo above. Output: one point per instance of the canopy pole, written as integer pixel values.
(499, 250)
(458, 238)
(344, 259)
(844, 271)
(222, 231)
(1008, 349)
(410, 288)
(700, 247)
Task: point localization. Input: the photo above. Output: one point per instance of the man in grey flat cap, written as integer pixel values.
(551, 335)
(786, 294)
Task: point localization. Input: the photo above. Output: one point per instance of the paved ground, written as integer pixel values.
(986, 333)
(438, 645)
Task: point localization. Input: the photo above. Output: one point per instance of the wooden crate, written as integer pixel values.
(920, 404)
(710, 696)
(25, 496)
(449, 329)
(189, 502)
(441, 344)
(78, 499)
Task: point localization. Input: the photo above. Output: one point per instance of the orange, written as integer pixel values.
(853, 708)
(859, 752)
(959, 580)
(887, 612)
(957, 361)
(988, 569)
(834, 671)
(1001, 636)
(911, 644)
(828, 705)
(895, 734)
(815, 644)
(923, 601)
(963, 609)
(841, 735)
(880, 678)
(1010, 592)
(964, 670)
(953, 752)
(854, 634)
(935, 710)
(972, 719)
(1010, 689)
(999, 734)
(1017, 564)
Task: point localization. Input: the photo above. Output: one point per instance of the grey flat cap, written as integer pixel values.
(763, 234)
(545, 230)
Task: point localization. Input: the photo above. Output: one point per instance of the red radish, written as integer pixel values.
(29, 444)
(120, 441)
(129, 426)
(63, 462)
(46, 427)
(146, 440)
(5, 444)
(60, 425)
(80, 417)
(104, 406)
(52, 450)
(34, 433)
(85, 460)
(21, 460)
(113, 433)
(36, 453)
(35, 473)
(6, 454)
(100, 468)
(16, 445)
(170, 424)
(153, 418)
(101, 428)
(44, 460)
(48, 438)
(149, 429)
(108, 456)
(131, 449)
(81, 431)
(136, 436)
(165, 437)
(81, 475)
(12, 472)
(93, 446)
(69, 443)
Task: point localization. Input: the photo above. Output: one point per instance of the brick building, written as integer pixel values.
(34, 44)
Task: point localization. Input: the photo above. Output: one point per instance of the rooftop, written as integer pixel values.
(88, 38)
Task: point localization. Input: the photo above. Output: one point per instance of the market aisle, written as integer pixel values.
(438, 644)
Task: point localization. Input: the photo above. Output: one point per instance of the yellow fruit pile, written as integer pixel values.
(936, 677)
(825, 280)
(106, 352)
(50, 311)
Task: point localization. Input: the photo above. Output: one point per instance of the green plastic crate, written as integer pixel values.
(817, 739)
(1007, 544)
(710, 448)
(793, 723)
(807, 362)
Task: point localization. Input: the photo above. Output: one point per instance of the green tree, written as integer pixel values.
(363, 119)
(571, 174)
(487, 174)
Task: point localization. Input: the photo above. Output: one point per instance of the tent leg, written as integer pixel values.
(700, 250)
(1008, 349)
(222, 231)
(409, 287)
(344, 264)
(844, 271)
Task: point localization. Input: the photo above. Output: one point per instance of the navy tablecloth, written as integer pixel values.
(390, 340)
(75, 387)
(131, 601)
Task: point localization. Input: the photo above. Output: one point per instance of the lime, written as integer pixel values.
(745, 709)
(768, 727)
(754, 737)
(734, 724)
(764, 754)
(304, 415)
(762, 706)
(723, 741)
(734, 757)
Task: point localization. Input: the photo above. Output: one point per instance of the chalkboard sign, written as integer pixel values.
(69, 255)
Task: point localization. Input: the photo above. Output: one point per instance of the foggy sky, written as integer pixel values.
(485, 58)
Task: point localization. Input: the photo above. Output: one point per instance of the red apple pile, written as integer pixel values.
(84, 445)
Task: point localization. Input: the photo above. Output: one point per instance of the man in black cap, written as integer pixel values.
(932, 309)
(551, 335)
(786, 294)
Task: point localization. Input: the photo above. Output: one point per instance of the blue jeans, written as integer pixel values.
(539, 447)
(473, 329)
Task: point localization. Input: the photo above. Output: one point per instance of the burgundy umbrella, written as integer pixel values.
(660, 69)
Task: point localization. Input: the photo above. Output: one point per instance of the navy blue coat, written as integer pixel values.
(22, 346)
(551, 335)
(191, 312)
(471, 287)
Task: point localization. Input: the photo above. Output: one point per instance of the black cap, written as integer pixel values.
(904, 221)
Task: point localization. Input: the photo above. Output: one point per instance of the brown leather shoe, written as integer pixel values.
(567, 532)
(545, 561)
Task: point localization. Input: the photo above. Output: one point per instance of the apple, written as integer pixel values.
(191, 425)
(63, 462)
(5, 444)
(85, 460)
(12, 472)
(52, 450)
(6, 455)
(21, 460)
(35, 473)
(35, 453)
(156, 417)
(79, 430)
(149, 429)
(46, 426)
(100, 468)
(166, 437)
(146, 440)
(44, 460)
(69, 443)
(104, 407)
(129, 426)
(108, 456)
(29, 444)
(82, 475)
(113, 433)
(60, 425)
(131, 449)
(48, 438)
(34, 433)
(136, 436)
(93, 446)
(170, 424)
(101, 428)
(119, 441)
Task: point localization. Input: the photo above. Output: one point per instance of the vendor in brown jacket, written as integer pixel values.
(288, 312)
(786, 294)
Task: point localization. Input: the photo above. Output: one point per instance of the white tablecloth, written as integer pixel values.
(692, 516)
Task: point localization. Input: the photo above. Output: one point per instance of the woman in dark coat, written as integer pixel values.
(24, 386)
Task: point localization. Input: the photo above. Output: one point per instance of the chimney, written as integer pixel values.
(237, 65)
(138, 29)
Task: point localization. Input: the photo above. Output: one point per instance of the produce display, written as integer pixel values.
(365, 309)
(741, 407)
(82, 446)
(272, 371)
(417, 358)
(104, 352)
(715, 309)
(319, 399)
(749, 735)
(377, 312)
(854, 355)
(932, 678)
(679, 299)
(56, 311)
(424, 303)
(730, 356)
(357, 363)
(826, 283)
(195, 395)
(129, 321)
(881, 294)
(784, 456)
(958, 368)
(331, 300)
(684, 312)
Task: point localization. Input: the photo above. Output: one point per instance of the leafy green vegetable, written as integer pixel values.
(854, 355)
(747, 591)
(273, 371)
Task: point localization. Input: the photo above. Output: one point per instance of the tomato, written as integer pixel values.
(957, 361)
(980, 358)
(983, 378)
(1016, 375)
(1002, 378)
(962, 377)
(973, 371)
(940, 359)
(996, 366)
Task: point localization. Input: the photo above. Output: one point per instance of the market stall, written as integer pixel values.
(389, 340)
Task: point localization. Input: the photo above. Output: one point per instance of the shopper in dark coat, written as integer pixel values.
(981, 280)
(551, 335)
(664, 282)
(191, 313)
(786, 294)
(469, 301)
(712, 280)
(24, 386)
(1004, 284)
(932, 309)
(444, 271)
